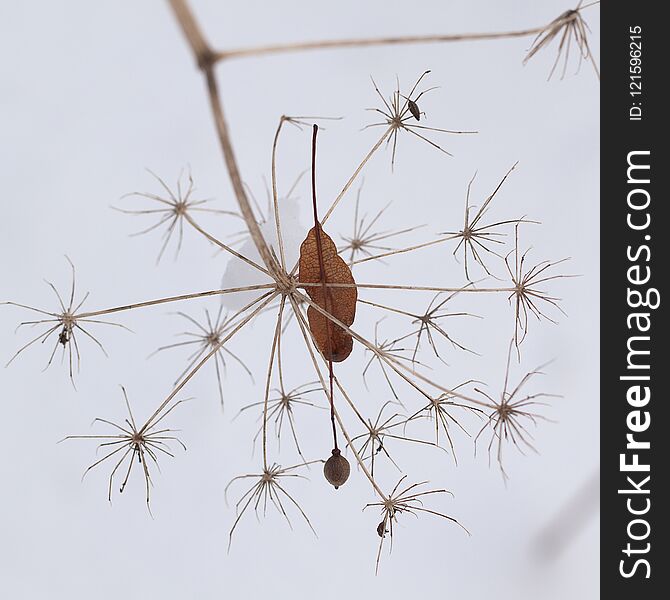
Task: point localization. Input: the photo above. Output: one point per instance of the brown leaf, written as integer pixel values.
(333, 342)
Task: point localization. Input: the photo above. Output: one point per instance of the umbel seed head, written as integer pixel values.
(336, 469)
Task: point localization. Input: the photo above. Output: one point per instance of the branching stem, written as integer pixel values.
(108, 311)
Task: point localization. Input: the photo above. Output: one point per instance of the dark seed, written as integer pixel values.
(381, 529)
(336, 469)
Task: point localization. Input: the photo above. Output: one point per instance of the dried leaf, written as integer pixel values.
(333, 342)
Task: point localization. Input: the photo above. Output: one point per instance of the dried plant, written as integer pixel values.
(146, 443)
(509, 413)
(282, 408)
(267, 486)
(400, 113)
(408, 500)
(207, 337)
(171, 211)
(526, 296)
(439, 410)
(321, 297)
(364, 240)
(570, 26)
(475, 237)
(372, 442)
(65, 323)
(389, 350)
(429, 324)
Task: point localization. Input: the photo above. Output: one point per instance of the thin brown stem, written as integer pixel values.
(107, 311)
(275, 342)
(223, 246)
(417, 288)
(205, 59)
(367, 42)
(367, 157)
(275, 196)
(404, 250)
(326, 295)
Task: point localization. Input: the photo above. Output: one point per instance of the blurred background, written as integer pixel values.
(92, 94)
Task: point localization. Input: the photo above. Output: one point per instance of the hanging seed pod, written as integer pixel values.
(336, 469)
(381, 529)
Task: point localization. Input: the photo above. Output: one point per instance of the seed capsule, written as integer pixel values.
(381, 529)
(336, 470)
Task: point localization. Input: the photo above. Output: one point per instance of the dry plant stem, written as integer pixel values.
(368, 156)
(404, 502)
(505, 418)
(275, 197)
(275, 342)
(404, 250)
(573, 27)
(427, 321)
(107, 311)
(192, 31)
(366, 42)
(405, 313)
(265, 299)
(223, 246)
(205, 59)
(233, 171)
(304, 328)
(364, 240)
(416, 288)
(326, 295)
(67, 320)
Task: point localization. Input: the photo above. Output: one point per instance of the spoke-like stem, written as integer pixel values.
(404, 250)
(233, 171)
(275, 341)
(367, 42)
(275, 196)
(368, 156)
(107, 311)
(223, 246)
(205, 59)
(326, 296)
(417, 288)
